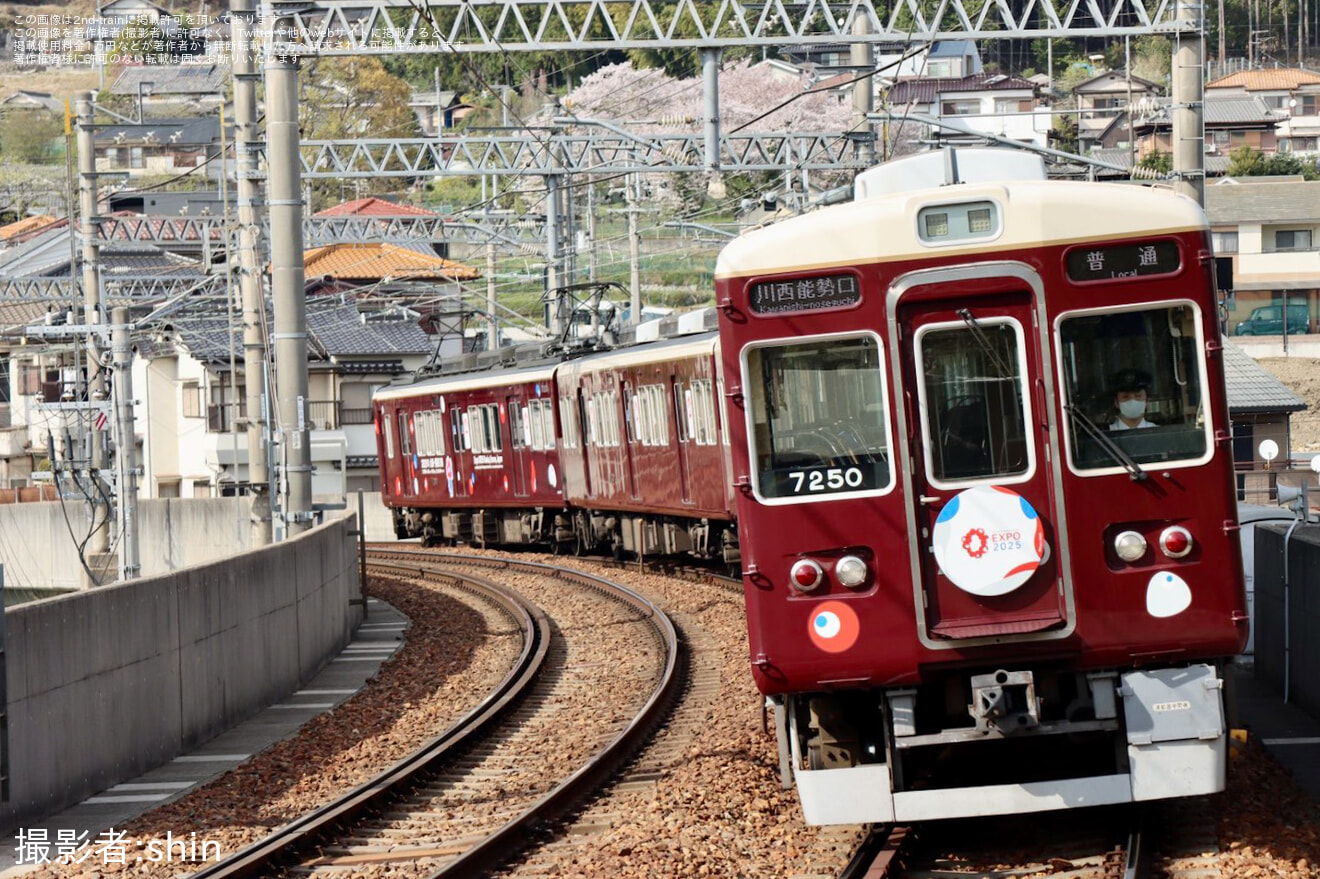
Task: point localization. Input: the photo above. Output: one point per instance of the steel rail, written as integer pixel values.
(500, 846)
(258, 859)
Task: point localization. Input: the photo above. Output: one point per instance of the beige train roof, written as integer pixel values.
(469, 381)
(885, 229)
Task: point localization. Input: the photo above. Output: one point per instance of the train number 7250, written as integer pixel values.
(830, 479)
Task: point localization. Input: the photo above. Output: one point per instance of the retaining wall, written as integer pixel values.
(107, 683)
(1303, 623)
(37, 541)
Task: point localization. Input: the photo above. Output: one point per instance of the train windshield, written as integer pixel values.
(1132, 387)
(818, 417)
(972, 400)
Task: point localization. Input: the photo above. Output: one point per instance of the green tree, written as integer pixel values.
(30, 137)
(1287, 164)
(345, 98)
(1157, 161)
(1245, 161)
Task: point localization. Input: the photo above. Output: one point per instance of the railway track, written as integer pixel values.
(1173, 840)
(480, 791)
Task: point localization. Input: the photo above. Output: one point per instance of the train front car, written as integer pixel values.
(984, 469)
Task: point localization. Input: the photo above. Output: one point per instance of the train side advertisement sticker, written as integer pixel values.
(988, 540)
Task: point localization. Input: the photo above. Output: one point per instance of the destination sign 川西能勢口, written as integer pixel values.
(804, 294)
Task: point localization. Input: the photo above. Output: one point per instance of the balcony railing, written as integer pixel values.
(321, 415)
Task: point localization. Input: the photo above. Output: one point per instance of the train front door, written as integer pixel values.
(982, 483)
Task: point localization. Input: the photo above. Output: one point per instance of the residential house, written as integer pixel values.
(438, 112)
(1230, 123)
(1300, 135)
(1269, 226)
(1291, 91)
(1103, 101)
(28, 228)
(158, 146)
(30, 101)
(384, 211)
(192, 421)
(174, 90)
(979, 104)
(1259, 408)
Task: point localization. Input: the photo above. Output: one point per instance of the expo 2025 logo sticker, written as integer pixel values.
(989, 541)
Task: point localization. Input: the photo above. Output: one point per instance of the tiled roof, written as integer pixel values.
(181, 132)
(342, 330)
(373, 262)
(1275, 80)
(927, 89)
(184, 79)
(374, 207)
(136, 260)
(24, 226)
(333, 329)
(1220, 111)
(1250, 388)
(1262, 202)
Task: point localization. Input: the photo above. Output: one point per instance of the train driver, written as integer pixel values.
(1130, 387)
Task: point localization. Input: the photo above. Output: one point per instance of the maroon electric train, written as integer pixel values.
(970, 445)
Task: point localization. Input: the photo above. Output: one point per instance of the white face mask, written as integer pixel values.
(1132, 409)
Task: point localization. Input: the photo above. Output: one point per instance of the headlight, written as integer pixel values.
(851, 571)
(1130, 546)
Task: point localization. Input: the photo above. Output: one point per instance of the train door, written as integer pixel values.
(682, 438)
(517, 446)
(405, 454)
(631, 437)
(588, 437)
(983, 478)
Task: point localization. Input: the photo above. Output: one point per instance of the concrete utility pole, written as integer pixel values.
(284, 187)
(631, 184)
(1188, 95)
(130, 566)
(862, 57)
(492, 325)
(710, 91)
(552, 248)
(246, 142)
(98, 513)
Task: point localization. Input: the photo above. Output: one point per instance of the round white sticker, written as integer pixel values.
(552, 476)
(988, 540)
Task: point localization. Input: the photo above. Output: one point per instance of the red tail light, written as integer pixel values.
(805, 575)
(1176, 542)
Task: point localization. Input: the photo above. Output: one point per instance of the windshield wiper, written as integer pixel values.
(979, 335)
(1112, 448)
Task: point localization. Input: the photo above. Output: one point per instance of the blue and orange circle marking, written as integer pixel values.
(833, 627)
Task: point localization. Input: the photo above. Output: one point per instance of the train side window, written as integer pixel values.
(518, 433)
(548, 424)
(405, 441)
(387, 426)
(535, 424)
(819, 417)
(458, 429)
(681, 414)
(973, 401)
(493, 434)
(1149, 359)
(703, 412)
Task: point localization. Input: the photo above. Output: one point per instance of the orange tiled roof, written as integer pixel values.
(27, 224)
(374, 207)
(372, 262)
(1278, 79)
